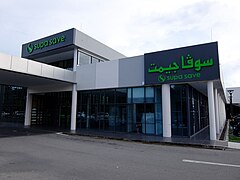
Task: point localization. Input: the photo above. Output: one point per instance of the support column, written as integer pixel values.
(220, 112)
(166, 110)
(211, 108)
(74, 94)
(223, 113)
(28, 109)
(216, 111)
(75, 59)
(74, 107)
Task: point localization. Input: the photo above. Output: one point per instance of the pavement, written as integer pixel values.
(152, 139)
(199, 141)
(39, 154)
(233, 145)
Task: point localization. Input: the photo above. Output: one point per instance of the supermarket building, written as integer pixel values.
(72, 81)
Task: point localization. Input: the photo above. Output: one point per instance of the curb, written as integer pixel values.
(234, 145)
(204, 146)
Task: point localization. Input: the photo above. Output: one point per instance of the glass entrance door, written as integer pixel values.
(139, 117)
(144, 118)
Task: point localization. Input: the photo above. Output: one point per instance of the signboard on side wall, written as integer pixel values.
(52, 42)
(187, 64)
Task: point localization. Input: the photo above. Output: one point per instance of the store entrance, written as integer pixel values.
(51, 110)
(139, 117)
(144, 115)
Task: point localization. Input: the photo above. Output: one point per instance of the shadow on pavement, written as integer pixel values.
(19, 130)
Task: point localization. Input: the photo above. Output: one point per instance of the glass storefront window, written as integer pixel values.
(189, 110)
(129, 95)
(138, 95)
(158, 94)
(178, 108)
(150, 119)
(84, 59)
(158, 117)
(12, 104)
(121, 96)
(95, 60)
(124, 109)
(108, 96)
(65, 64)
(150, 94)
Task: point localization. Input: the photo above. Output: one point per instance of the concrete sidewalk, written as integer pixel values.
(233, 145)
(152, 139)
(198, 142)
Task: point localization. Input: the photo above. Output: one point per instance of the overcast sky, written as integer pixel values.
(132, 27)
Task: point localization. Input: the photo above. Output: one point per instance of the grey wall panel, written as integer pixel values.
(88, 43)
(131, 71)
(107, 74)
(86, 77)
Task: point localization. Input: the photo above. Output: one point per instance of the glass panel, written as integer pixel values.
(12, 104)
(129, 95)
(139, 117)
(108, 110)
(149, 94)
(82, 117)
(130, 119)
(158, 94)
(65, 64)
(179, 110)
(158, 115)
(52, 109)
(108, 96)
(121, 115)
(121, 96)
(84, 59)
(149, 128)
(95, 60)
(138, 95)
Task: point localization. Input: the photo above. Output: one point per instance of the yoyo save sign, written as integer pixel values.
(193, 63)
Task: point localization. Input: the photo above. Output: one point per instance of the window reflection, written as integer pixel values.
(189, 110)
(84, 58)
(138, 95)
(124, 109)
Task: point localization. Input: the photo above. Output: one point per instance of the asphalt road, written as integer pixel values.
(51, 156)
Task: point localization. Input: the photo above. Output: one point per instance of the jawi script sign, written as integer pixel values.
(187, 64)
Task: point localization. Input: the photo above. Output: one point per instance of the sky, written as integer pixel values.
(132, 27)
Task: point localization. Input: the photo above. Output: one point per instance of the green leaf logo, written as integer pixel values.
(161, 78)
(30, 48)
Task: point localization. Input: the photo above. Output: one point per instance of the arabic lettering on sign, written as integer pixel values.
(186, 63)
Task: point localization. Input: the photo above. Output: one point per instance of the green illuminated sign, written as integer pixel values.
(32, 47)
(170, 72)
(182, 65)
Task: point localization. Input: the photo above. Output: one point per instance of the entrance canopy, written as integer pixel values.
(27, 73)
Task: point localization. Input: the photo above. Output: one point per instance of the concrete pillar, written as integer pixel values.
(224, 118)
(75, 59)
(211, 108)
(74, 94)
(28, 109)
(220, 112)
(166, 110)
(74, 107)
(216, 111)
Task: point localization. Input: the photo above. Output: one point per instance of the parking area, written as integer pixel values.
(30, 154)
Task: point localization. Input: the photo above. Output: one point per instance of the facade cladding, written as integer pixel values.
(114, 93)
